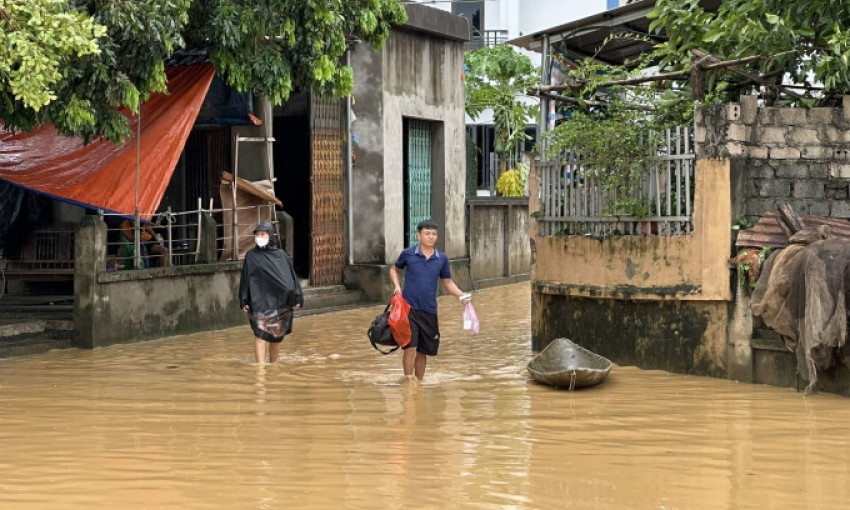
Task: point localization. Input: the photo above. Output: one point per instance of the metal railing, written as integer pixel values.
(175, 238)
(573, 201)
(485, 38)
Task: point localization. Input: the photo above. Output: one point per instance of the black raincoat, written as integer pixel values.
(269, 284)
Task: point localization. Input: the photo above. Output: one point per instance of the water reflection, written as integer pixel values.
(192, 422)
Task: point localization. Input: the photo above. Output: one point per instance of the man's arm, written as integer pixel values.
(394, 278)
(451, 288)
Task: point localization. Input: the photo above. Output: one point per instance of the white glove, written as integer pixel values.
(465, 297)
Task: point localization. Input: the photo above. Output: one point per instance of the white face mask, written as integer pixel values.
(261, 241)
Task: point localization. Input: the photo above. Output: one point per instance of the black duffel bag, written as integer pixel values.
(379, 332)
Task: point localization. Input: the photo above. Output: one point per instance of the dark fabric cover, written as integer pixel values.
(268, 282)
(801, 294)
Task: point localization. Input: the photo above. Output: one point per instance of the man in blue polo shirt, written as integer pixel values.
(424, 266)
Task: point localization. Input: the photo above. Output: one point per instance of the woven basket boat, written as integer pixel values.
(568, 365)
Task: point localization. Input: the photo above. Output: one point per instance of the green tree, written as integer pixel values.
(805, 42)
(270, 47)
(36, 37)
(498, 77)
(96, 57)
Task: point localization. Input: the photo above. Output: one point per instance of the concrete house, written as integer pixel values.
(354, 177)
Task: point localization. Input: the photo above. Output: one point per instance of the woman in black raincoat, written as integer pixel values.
(269, 291)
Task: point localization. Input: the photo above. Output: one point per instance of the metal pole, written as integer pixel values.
(543, 124)
(170, 236)
(234, 251)
(137, 245)
(349, 167)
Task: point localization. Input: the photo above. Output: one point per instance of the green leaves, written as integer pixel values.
(37, 38)
(73, 62)
(818, 32)
(498, 76)
(275, 46)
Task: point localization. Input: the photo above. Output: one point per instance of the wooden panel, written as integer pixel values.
(327, 229)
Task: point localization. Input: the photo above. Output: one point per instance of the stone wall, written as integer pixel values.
(781, 155)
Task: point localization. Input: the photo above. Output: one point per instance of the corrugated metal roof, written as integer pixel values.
(767, 232)
(583, 38)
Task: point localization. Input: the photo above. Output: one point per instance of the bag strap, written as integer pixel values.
(376, 345)
(383, 352)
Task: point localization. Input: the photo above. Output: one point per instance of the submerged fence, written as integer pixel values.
(574, 202)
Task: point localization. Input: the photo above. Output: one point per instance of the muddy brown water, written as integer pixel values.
(190, 423)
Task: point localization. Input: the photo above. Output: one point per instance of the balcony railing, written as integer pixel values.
(485, 38)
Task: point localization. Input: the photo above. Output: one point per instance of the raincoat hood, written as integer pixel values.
(267, 227)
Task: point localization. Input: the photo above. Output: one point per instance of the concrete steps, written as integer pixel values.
(21, 336)
(324, 299)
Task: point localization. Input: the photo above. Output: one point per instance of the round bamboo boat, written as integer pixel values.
(565, 364)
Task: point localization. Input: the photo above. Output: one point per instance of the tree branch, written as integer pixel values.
(752, 76)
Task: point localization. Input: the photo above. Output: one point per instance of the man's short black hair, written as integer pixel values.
(426, 224)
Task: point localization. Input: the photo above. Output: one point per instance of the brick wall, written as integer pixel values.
(794, 155)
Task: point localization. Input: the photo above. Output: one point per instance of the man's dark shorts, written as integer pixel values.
(424, 332)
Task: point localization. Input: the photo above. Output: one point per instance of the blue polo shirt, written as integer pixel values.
(422, 276)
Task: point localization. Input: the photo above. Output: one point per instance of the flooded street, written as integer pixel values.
(190, 423)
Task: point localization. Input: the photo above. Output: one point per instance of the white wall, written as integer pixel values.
(521, 17)
(536, 15)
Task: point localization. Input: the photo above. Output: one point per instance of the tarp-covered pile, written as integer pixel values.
(802, 295)
(102, 175)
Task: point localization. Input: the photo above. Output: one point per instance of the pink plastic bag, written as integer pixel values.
(470, 319)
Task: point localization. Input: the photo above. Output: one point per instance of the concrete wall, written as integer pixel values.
(636, 299)
(498, 238)
(416, 75)
(128, 306)
(422, 80)
(692, 267)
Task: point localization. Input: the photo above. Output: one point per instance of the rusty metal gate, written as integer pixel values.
(327, 228)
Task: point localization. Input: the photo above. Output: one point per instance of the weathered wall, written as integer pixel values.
(655, 302)
(778, 155)
(417, 74)
(794, 155)
(692, 267)
(422, 81)
(498, 237)
(121, 307)
(684, 337)
(368, 172)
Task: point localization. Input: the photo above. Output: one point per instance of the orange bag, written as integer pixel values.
(399, 324)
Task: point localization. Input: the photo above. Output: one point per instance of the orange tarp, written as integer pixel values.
(102, 175)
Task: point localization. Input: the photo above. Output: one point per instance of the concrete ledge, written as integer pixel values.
(22, 328)
(438, 22)
(616, 291)
(505, 280)
(160, 272)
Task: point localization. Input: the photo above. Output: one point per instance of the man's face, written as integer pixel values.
(427, 237)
